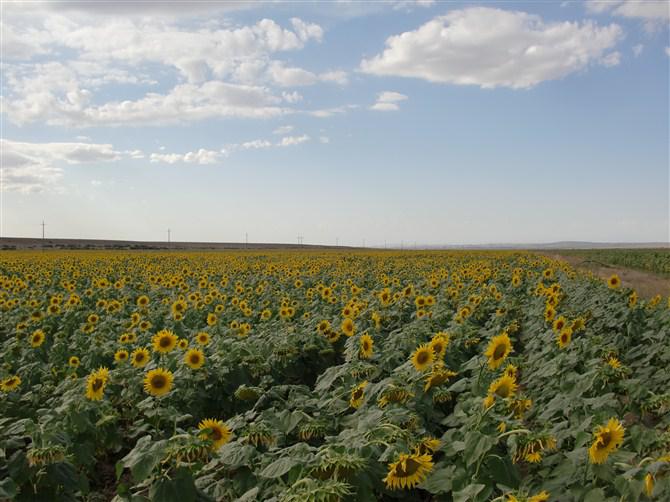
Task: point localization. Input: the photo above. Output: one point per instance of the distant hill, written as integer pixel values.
(8, 243)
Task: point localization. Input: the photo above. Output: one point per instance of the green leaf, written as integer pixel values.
(439, 480)
(279, 467)
(470, 492)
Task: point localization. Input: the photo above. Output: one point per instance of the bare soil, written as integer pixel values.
(646, 284)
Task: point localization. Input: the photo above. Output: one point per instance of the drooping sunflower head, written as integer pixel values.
(366, 345)
(194, 358)
(606, 440)
(357, 395)
(503, 387)
(498, 349)
(139, 358)
(158, 382)
(216, 431)
(422, 357)
(438, 375)
(164, 341)
(408, 471)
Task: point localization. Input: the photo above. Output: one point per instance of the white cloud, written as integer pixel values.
(293, 140)
(491, 48)
(667, 51)
(221, 71)
(324, 139)
(647, 9)
(255, 144)
(612, 59)
(33, 167)
(637, 49)
(200, 156)
(387, 101)
(653, 13)
(285, 129)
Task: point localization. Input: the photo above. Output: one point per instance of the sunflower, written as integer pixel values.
(216, 431)
(95, 384)
(194, 358)
(614, 282)
(139, 358)
(164, 341)
(649, 484)
(559, 324)
(439, 344)
(332, 335)
(422, 357)
(202, 338)
(543, 496)
(158, 382)
(212, 319)
(366, 343)
(10, 383)
(73, 362)
(564, 338)
(549, 313)
(437, 376)
(348, 327)
(143, 301)
(323, 326)
(498, 349)
(37, 338)
(121, 356)
(607, 439)
(504, 387)
(408, 471)
(357, 393)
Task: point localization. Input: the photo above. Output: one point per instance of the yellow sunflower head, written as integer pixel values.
(564, 338)
(498, 349)
(139, 358)
(366, 345)
(606, 440)
(194, 358)
(158, 382)
(357, 394)
(216, 431)
(10, 383)
(73, 362)
(121, 356)
(348, 327)
(408, 471)
(614, 282)
(202, 338)
(422, 357)
(439, 344)
(164, 341)
(503, 387)
(37, 338)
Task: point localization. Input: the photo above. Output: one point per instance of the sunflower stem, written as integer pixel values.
(515, 431)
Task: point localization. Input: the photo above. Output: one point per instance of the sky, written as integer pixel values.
(352, 122)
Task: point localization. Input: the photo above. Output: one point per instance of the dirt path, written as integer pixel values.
(646, 284)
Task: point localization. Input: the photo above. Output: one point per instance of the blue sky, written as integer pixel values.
(427, 122)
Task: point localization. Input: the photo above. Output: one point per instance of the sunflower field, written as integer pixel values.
(327, 375)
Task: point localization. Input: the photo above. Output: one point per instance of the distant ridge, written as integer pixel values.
(9, 243)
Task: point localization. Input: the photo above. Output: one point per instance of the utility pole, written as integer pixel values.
(384, 243)
(168, 236)
(363, 243)
(337, 241)
(246, 240)
(300, 238)
(43, 231)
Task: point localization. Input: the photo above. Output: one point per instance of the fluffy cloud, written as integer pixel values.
(494, 48)
(285, 129)
(32, 167)
(200, 156)
(387, 101)
(221, 71)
